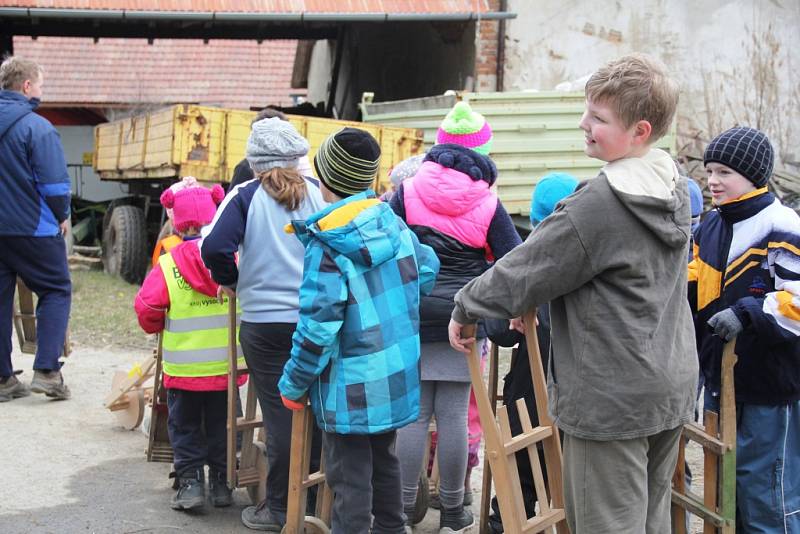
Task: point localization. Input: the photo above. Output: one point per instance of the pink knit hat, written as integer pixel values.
(192, 207)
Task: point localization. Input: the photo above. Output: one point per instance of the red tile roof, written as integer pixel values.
(228, 73)
(270, 6)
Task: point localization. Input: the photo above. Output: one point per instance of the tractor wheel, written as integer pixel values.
(125, 244)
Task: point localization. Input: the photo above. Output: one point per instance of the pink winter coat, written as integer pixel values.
(152, 303)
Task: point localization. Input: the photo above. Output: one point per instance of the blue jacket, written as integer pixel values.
(34, 182)
(747, 258)
(356, 347)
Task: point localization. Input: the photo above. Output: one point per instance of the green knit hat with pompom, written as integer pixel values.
(467, 128)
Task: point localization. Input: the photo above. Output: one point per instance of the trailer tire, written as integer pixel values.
(125, 244)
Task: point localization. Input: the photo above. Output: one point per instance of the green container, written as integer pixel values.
(534, 133)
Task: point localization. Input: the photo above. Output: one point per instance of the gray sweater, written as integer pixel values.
(611, 261)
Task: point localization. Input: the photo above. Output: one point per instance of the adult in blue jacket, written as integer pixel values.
(35, 188)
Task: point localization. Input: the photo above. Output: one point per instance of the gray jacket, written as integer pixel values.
(611, 261)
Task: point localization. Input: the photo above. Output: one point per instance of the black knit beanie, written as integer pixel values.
(347, 161)
(746, 151)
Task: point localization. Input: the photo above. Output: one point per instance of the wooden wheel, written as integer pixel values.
(129, 408)
(131, 416)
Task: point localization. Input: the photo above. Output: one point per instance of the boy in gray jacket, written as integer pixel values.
(611, 260)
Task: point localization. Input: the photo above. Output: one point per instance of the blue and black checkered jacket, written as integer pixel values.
(356, 347)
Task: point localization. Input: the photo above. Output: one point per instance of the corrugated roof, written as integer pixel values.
(236, 74)
(272, 6)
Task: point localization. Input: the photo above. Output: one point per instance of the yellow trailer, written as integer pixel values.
(148, 152)
(207, 143)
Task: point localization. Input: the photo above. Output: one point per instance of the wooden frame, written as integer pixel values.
(250, 471)
(717, 508)
(130, 392)
(501, 446)
(301, 480)
(159, 448)
(24, 319)
(494, 398)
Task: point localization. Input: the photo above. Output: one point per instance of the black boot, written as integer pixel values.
(221, 494)
(455, 520)
(191, 493)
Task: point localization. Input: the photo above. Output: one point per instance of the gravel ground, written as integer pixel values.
(72, 469)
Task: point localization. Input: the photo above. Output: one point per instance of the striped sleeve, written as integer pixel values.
(777, 315)
(784, 303)
(221, 238)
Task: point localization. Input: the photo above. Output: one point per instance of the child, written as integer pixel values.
(745, 282)
(611, 262)
(179, 299)
(171, 240)
(267, 282)
(517, 384)
(450, 206)
(356, 348)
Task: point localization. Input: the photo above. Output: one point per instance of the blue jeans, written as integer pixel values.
(41, 262)
(767, 467)
(198, 429)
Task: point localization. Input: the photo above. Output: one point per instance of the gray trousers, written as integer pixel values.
(449, 401)
(619, 487)
(364, 474)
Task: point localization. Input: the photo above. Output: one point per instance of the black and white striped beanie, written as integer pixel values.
(746, 151)
(347, 161)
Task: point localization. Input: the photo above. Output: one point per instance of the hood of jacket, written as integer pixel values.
(651, 188)
(453, 180)
(13, 106)
(193, 270)
(359, 227)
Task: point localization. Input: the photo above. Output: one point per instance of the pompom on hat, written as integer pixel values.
(192, 207)
(467, 128)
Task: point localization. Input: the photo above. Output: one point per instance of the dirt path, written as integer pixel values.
(71, 468)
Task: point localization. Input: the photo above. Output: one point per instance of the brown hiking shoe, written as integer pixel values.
(51, 383)
(11, 388)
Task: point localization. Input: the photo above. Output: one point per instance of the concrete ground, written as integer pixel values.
(70, 468)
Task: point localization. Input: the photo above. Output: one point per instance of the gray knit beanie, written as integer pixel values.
(274, 143)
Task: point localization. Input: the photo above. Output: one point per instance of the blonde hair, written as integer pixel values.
(15, 70)
(287, 186)
(637, 87)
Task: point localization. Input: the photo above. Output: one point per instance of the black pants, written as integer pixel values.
(197, 425)
(364, 474)
(266, 348)
(41, 262)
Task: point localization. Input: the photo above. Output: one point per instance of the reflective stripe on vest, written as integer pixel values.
(195, 339)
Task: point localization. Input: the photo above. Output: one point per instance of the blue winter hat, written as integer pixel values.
(550, 190)
(695, 197)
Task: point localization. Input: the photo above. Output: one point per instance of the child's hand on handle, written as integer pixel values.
(456, 341)
(294, 405)
(224, 290)
(725, 324)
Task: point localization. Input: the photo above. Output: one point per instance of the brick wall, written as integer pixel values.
(486, 52)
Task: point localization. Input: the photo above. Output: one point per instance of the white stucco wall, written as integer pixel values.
(737, 60)
(77, 141)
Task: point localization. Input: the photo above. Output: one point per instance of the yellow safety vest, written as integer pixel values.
(195, 338)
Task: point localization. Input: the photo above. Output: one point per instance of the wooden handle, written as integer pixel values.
(468, 330)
